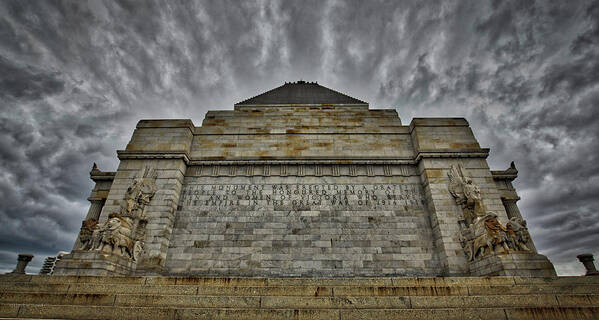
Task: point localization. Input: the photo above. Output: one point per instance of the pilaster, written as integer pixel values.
(143, 194)
(440, 143)
(164, 146)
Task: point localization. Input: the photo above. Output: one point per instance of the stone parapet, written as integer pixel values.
(166, 136)
(513, 264)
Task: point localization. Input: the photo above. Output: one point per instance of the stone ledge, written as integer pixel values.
(166, 123)
(143, 155)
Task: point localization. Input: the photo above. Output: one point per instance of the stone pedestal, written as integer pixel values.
(22, 262)
(513, 264)
(587, 260)
(94, 263)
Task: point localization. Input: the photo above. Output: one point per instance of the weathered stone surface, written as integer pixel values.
(305, 190)
(285, 298)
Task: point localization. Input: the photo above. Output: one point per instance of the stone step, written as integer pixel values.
(298, 298)
(262, 282)
(303, 302)
(296, 290)
(170, 313)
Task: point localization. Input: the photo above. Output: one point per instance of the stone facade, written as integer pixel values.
(277, 187)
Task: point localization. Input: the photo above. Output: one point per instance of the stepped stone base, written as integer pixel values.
(513, 264)
(505, 298)
(93, 263)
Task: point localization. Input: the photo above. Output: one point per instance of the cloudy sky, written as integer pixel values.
(76, 76)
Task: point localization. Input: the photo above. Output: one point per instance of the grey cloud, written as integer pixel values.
(28, 83)
(572, 76)
(588, 40)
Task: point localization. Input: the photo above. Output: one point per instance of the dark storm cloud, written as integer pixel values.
(76, 76)
(26, 83)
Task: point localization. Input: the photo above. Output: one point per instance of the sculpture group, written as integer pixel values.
(123, 233)
(480, 231)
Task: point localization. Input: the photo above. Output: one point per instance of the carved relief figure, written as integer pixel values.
(518, 233)
(139, 193)
(116, 234)
(480, 231)
(466, 193)
(488, 235)
(85, 235)
(456, 183)
(123, 234)
(474, 202)
(465, 237)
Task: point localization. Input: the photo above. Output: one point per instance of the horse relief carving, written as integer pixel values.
(518, 233)
(481, 233)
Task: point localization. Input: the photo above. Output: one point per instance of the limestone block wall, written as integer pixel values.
(301, 133)
(302, 225)
(377, 201)
(162, 136)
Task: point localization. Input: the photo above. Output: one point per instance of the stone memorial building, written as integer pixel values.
(304, 181)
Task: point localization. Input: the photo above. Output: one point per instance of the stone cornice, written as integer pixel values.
(509, 174)
(306, 161)
(273, 132)
(452, 153)
(239, 106)
(439, 153)
(98, 175)
(166, 124)
(142, 155)
(502, 175)
(104, 176)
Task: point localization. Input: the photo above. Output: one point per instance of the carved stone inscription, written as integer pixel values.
(329, 226)
(302, 195)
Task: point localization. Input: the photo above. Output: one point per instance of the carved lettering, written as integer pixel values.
(299, 195)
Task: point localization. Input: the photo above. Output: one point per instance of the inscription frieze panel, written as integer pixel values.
(330, 195)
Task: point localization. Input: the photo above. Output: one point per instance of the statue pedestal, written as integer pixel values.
(524, 264)
(150, 266)
(94, 263)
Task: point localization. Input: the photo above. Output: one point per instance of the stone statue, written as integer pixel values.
(122, 234)
(85, 235)
(466, 193)
(474, 202)
(456, 183)
(116, 234)
(487, 235)
(465, 237)
(480, 231)
(518, 233)
(139, 193)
